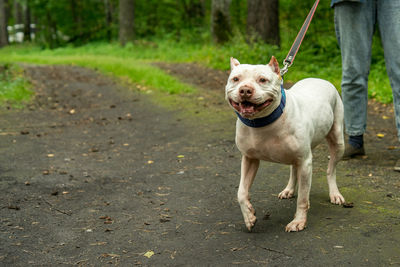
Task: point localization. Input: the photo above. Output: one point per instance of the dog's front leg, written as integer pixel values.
(248, 172)
(304, 177)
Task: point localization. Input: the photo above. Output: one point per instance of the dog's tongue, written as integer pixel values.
(246, 108)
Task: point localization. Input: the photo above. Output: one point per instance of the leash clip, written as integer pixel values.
(286, 64)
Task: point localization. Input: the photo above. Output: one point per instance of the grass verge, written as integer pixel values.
(14, 88)
(133, 61)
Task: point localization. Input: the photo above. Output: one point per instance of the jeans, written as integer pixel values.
(355, 25)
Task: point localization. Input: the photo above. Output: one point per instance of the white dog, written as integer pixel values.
(284, 126)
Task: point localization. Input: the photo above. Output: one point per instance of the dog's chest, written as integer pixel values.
(280, 148)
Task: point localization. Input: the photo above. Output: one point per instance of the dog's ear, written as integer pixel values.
(234, 63)
(273, 63)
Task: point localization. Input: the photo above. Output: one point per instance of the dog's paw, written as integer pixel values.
(337, 198)
(249, 215)
(296, 226)
(286, 193)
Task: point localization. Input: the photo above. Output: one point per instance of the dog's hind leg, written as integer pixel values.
(336, 146)
(288, 192)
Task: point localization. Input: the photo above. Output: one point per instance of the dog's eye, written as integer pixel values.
(263, 80)
(235, 79)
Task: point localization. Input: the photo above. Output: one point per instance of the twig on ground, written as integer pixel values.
(56, 209)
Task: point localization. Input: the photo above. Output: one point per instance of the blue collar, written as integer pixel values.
(264, 121)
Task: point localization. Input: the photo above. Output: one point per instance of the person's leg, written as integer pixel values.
(388, 16)
(354, 24)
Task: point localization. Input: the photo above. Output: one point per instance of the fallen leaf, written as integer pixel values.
(237, 249)
(385, 117)
(348, 205)
(72, 111)
(105, 255)
(50, 155)
(149, 254)
(180, 156)
(380, 135)
(150, 162)
(13, 207)
(162, 195)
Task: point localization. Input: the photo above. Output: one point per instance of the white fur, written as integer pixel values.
(313, 112)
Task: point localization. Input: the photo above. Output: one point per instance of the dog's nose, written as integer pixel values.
(246, 92)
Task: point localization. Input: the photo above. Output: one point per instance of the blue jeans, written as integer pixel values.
(355, 24)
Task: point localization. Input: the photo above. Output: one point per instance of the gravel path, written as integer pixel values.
(92, 173)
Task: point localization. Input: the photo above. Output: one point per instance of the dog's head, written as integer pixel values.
(254, 90)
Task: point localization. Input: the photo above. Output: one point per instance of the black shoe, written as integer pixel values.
(352, 152)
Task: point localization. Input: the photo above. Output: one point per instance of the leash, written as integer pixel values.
(297, 42)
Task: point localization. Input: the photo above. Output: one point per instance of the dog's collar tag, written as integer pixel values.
(264, 121)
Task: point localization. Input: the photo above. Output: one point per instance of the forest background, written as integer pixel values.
(124, 37)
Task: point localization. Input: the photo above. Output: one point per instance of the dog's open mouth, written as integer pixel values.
(247, 108)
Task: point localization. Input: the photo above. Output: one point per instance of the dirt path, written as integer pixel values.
(92, 173)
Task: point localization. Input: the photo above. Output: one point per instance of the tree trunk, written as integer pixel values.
(194, 12)
(126, 21)
(3, 24)
(18, 13)
(76, 16)
(109, 19)
(27, 24)
(51, 31)
(220, 20)
(263, 20)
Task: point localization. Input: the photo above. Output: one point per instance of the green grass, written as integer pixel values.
(14, 88)
(123, 66)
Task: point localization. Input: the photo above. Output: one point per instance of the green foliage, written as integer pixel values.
(14, 88)
(170, 19)
(70, 21)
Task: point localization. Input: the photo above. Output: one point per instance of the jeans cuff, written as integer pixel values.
(355, 133)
